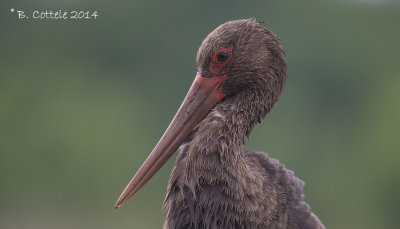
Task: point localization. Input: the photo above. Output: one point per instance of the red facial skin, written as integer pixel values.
(215, 65)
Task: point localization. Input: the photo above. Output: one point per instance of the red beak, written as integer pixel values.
(201, 98)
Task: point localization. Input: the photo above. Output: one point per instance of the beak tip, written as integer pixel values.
(118, 204)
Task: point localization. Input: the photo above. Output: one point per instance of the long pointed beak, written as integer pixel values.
(201, 98)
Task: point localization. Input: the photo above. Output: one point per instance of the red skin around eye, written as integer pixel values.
(215, 66)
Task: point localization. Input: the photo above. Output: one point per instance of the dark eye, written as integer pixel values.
(222, 56)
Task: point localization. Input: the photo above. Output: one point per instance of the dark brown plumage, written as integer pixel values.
(215, 183)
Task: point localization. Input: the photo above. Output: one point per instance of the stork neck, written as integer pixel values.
(214, 153)
(241, 113)
(224, 129)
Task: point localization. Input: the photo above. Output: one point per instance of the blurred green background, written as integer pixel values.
(83, 102)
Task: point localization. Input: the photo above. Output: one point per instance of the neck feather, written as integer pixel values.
(216, 146)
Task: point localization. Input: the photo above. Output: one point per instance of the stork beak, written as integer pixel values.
(201, 98)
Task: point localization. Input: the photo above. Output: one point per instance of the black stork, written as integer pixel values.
(215, 183)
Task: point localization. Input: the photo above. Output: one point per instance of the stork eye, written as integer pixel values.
(222, 56)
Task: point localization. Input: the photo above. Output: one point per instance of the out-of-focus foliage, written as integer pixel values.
(83, 102)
